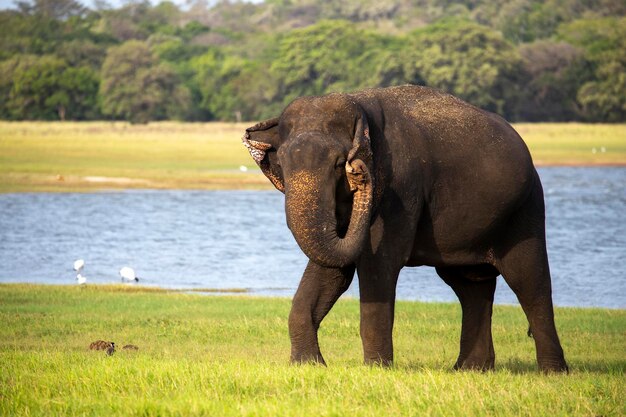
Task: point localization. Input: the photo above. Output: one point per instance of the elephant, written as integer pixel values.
(384, 178)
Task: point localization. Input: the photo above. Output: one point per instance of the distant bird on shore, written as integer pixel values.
(81, 279)
(79, 264)
(128, 274)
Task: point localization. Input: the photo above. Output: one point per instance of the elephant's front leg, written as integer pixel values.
(319, 289)
(378, 297)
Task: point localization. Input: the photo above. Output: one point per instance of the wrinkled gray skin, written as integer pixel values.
(408, 176)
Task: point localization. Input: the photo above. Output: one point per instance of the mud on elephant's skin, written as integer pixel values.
(408, 176)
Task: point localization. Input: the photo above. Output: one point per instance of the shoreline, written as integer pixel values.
(244, 293)
(249, 181)
(575, 164)
(100, 156)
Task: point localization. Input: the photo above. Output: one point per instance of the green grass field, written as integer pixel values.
(48, 156)
(224, 355)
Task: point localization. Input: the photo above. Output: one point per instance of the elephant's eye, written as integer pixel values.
(341, 162)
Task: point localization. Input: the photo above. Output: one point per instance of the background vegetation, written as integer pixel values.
(529, 60)
(71, 156)
(201, 355)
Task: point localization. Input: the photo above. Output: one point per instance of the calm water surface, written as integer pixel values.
(239, 239)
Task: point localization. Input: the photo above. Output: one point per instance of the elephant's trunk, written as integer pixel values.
(310, 207)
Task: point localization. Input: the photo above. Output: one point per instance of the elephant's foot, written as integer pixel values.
(474, 363)
(299, 358)
(553, 366)
(378, 360)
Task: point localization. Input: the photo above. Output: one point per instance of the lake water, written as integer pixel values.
(239, 239)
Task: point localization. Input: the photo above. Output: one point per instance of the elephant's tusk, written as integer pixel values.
(257, 149)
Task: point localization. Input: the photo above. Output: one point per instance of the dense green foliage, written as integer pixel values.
(552, 60)
(228, 356)
(136, 87)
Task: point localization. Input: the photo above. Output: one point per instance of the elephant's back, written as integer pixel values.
(441, 129)
(439, 115)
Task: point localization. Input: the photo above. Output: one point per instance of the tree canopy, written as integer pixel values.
(552, 60)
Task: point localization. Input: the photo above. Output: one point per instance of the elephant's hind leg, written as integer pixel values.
(476, 299)
(525, 268)
(319, 289)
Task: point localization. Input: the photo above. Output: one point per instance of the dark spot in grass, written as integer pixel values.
(130, 347)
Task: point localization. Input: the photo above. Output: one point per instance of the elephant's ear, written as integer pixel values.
(262, 142)
(361, 147)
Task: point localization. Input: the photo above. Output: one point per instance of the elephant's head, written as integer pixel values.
(318, 153)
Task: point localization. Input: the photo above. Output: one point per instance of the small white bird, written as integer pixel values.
(128, 274)
(81, 279)
(79, 264)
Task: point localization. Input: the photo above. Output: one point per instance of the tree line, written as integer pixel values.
(553, 60)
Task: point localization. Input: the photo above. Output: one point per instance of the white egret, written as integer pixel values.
(79, 264)
(128, 274)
